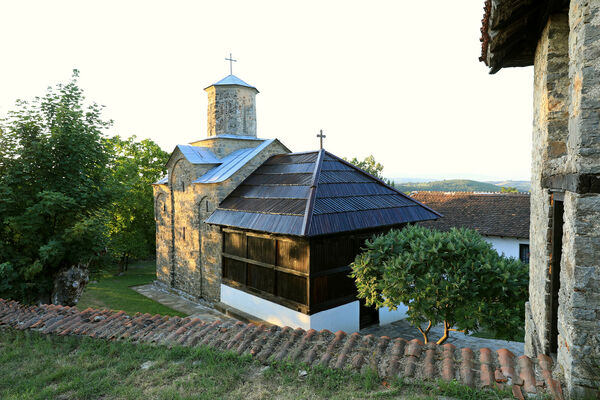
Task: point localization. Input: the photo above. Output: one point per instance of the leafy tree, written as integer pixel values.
(52, 190)
(508, 189)
(369, 164)
(455, 278)
(134, 167)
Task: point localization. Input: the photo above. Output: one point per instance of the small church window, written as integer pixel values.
(184, 233)
(165, 207)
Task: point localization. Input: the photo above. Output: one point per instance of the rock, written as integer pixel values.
(147, 364)
(69, 284)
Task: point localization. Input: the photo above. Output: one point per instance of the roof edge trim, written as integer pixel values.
(310, 202)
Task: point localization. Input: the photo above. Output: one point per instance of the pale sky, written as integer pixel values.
(397, 79)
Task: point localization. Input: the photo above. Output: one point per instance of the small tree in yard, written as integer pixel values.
(455, 278)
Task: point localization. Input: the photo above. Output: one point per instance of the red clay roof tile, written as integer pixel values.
(409, 360)
(491, 214)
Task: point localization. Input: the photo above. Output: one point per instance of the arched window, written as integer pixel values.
(177, 176)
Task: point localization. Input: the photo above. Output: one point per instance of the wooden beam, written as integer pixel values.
(265, 265)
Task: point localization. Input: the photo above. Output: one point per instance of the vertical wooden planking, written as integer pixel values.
(293, 255)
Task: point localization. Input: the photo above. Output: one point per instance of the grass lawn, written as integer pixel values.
(35, 366)
(108, 290)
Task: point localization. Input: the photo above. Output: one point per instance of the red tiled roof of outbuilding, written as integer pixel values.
(491, 214)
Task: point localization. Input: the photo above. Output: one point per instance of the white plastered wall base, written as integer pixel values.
(387, 316)
(344, 317)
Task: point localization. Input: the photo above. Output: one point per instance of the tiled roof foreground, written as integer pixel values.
(390, 357)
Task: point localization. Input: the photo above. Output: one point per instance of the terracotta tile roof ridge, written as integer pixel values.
(411, 360)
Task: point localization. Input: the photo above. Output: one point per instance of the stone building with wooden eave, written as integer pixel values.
(290, 232)
(241, 223)
(561, 39)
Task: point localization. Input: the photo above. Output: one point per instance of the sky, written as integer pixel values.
(399, 80)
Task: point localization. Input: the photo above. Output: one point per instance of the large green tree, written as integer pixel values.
(369, 164)
(452, 278)
(53, 186)
(130, 221)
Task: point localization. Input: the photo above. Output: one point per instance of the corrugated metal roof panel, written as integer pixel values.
(271, 206)
(335, 166)
(292, 158)
(279, 179)
(327, 205)
(328, 196)
(272, 223)
(232, 163)
(272, 192)
(349, 221)
(343, 177)
(286, 168)
(352, 189)
(198, 155)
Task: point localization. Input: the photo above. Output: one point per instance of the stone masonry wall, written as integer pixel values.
(549, 152)
(579, 296)
(231, 110)
(162, 216)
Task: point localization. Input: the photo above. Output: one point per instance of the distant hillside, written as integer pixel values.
(450, 185)
(521, 186)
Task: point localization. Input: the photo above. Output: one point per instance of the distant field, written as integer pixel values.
(461, 185)
(451, 185)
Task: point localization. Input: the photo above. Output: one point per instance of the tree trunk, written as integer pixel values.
(425, 332)
(446, 330)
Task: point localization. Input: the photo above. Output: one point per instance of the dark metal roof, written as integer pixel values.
(510, 30)
(491, 214)
(315, 193)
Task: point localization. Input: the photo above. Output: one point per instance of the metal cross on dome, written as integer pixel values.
(231, 61)
(321, 136)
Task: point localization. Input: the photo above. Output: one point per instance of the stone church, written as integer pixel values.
(242, 222)
(200, 175)
(561, 39)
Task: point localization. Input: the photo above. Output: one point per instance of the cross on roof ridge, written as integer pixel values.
(231, 61)
(321, 136)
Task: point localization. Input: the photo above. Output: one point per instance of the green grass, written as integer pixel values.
(108, 290)
(34, 366)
